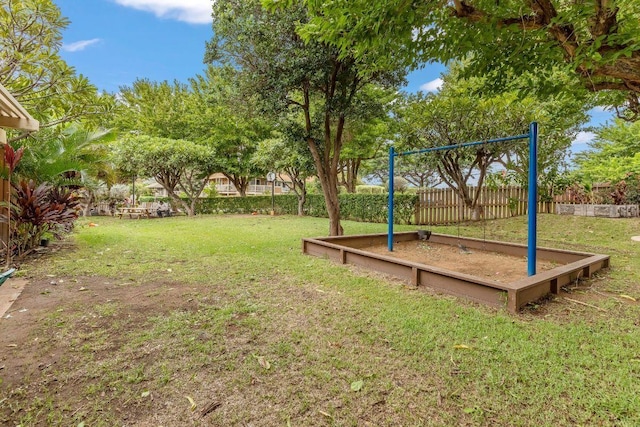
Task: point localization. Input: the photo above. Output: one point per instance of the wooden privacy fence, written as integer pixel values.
(441, 206)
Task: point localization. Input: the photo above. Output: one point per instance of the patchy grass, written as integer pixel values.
(222, 321)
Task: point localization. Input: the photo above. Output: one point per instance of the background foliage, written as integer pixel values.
(356, 207)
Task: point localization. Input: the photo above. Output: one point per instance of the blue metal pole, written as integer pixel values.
(390, 207)
(533, 199)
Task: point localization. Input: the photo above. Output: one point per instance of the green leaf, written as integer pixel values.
(357, 385)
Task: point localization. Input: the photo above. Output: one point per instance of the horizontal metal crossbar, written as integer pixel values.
(466, 144)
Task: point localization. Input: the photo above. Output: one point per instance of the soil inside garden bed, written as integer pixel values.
(485, 264)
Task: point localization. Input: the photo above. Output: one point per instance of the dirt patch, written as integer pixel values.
(488, 265)
(85, 299)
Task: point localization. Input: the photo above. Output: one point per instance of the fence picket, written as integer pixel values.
(442, 206)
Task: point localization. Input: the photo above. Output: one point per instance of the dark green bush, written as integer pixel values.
(356, 207)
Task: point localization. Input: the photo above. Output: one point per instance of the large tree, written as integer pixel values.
(236, 125)
(35, 74)
(448, 119)
(175, 164)
(595, 42)
(290, 160)
(312, 79)
(206, 110)
(458, 114)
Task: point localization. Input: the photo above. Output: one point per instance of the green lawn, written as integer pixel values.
(268, 336)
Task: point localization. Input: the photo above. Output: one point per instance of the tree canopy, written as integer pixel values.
(458, 114)
(35, 74)
(175, 164)
(613, 154)
(290, 160)
(309, 78)
(596, 44)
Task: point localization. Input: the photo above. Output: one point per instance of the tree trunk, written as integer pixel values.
(349, 174)
(87, 208)
(329, 184)
(333, 210)
(177, 201)
(327, 160)
(302, 198)
(240, 182)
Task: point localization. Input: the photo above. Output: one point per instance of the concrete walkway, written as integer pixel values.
(9, 292)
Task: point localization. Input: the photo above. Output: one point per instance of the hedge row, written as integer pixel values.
(356, 207)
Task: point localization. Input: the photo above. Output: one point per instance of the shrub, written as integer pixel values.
(370, 189)
(36, 210)
(356, 207)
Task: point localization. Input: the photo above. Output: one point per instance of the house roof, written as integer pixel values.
(13, 115)
(281, 177)
(155, 185)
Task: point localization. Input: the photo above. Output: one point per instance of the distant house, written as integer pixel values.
(224, 187)
(157, 189)
(257, 186)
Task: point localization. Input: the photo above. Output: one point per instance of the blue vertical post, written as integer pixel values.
(533, 199)
(390, 207)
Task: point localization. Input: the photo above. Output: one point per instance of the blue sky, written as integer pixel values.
(115, 42)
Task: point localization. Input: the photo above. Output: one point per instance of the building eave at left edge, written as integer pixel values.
(13, 115)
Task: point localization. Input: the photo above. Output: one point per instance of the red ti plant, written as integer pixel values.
(12, 157)
(40, 209)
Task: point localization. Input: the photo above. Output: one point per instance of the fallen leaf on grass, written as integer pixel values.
(357, 385)
(325, 414)
(83, 289)
(145, 394)
(193, 403)
(462, 347)
(263, 362)
(629, 297)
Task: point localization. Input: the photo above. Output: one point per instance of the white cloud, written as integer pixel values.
(583, 138)
(191, 11)
(78, 46)
(432, 86)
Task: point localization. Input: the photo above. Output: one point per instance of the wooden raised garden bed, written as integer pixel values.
(559, 267)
